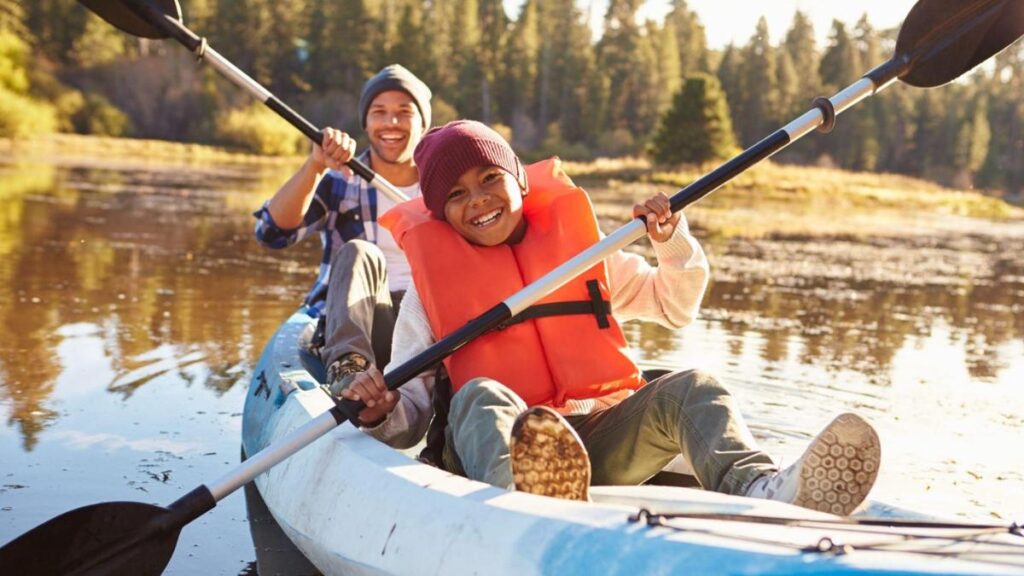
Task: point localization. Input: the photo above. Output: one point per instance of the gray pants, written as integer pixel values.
(686, 413)
(360, 313)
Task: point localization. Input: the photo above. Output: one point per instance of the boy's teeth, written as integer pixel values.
(486, 218)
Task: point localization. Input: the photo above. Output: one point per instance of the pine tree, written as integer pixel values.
(840, 65)
(864, 145)
(761, 104)
(670, 80)
(438, 16)
(627, 58)
(803, 53)
(410, 47)
(519, 84)
(690, 38)
(791, 100)
(56, 24)
(284, 31)
(972, 138)
(1004, 164)
(488, 54)
(240, 32)
(697, 127)
(730, 75)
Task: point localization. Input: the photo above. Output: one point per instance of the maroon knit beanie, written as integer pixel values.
(446, 152)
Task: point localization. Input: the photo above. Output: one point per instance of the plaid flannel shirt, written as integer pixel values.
(342, 209)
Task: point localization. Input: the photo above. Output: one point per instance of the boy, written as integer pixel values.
(534, 399)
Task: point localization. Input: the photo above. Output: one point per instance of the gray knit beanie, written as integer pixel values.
(395, 77)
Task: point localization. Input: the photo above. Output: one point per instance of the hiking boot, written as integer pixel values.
(548, 457)
(835, 473)
(342, 372)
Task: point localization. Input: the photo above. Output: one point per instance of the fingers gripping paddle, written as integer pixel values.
(940, 40)
(162, 19)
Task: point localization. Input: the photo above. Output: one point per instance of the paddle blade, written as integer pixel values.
(109, 539)
(944, 39)
(120, 14)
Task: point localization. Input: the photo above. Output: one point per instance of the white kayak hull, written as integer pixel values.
(355, 506)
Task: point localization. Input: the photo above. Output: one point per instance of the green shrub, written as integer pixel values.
(258, 130)
(13, 55)
(442, 112)
(21, 116)
(68, 104)
(554, 145)
(616, 142)
(99, 117)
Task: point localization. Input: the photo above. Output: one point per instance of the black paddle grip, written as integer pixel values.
(189, 507)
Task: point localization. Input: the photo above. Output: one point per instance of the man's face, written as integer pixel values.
(394, 126)
(485, 206)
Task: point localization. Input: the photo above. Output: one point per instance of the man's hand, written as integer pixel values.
(369, 387)
(657, 211)
(334, 150)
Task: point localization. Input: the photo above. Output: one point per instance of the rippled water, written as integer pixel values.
(135, 303)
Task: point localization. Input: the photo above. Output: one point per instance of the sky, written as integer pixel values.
(734, 20)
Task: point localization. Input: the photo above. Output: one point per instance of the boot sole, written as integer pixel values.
(548, 457)
(840, 466)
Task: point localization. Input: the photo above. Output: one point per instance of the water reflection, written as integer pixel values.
(164, 270)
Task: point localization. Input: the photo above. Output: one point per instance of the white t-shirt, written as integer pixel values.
(399, 275)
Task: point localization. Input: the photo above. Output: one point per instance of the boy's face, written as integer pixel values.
(486, 206)
(394, 125)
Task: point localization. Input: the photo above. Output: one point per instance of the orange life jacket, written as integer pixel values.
(546, 360)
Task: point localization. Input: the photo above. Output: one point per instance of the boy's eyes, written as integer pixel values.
(492, 176)
(456, 193)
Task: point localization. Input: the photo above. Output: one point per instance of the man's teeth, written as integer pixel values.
(391, 137)
(487, 218)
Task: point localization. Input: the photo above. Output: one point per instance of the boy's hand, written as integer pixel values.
(369, 387)
(334, 150)
(661, 222)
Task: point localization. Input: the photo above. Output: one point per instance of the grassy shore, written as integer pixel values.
(767, 200)
(773, 199)
(132, 150)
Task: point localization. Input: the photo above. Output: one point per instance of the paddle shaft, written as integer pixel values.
(204, 51)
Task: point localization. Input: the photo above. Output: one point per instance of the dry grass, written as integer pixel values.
(773, 199)
(130, 149)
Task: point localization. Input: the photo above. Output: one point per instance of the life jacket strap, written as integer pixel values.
(596, 306)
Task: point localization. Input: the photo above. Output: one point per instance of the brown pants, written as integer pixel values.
(360, 313)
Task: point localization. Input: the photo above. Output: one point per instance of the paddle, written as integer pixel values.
(940, 40)
(162, 19)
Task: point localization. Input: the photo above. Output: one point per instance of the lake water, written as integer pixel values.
(135, 303)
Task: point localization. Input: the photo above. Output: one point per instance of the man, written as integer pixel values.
(363, 273)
